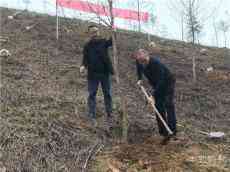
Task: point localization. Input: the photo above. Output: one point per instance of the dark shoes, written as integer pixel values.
(167, 138)
(93, 121)
(109, 115)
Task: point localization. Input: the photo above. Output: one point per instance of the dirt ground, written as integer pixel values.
(43, 125)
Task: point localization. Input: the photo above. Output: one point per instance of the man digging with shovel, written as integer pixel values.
(162, 96)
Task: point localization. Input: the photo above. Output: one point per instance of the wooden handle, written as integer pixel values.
(155, 109)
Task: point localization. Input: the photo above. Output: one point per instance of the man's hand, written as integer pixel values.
(139, 82)
(151, 99)
(82, 69)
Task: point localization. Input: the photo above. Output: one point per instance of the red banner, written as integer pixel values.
(102, 10)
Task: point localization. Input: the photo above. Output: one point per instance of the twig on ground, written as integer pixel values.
(4, 39)
(91, 152)
(31, 26)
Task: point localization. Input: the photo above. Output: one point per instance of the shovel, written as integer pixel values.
(213, 135)
(155, 109)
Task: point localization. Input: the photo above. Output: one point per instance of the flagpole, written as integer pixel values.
(57, 21)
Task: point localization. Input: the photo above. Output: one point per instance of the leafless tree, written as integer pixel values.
(215, 24)
(192, 18)
(164, 31)
(188, 12)
(224, 26)
(115, 55)
(192, 15)
(138, 12)
(194, 26)
(26, 2)
(178, 14)
(215, 31)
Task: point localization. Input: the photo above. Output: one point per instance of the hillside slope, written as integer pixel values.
(43, 101)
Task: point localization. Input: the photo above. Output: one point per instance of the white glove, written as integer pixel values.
(139, 82)
(82, 69)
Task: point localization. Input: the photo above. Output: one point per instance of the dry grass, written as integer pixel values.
(178, 156)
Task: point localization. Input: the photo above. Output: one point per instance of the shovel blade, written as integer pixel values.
(217, 135)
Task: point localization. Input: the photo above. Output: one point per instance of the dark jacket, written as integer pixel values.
(96, 58)
(158, 75)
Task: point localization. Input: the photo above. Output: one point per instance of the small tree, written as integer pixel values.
(115, 56)
(164, 31)
(191, 16)
(45, 3)
(191, 11)
(215, 32)
(188, 12)
(194, 26)
(153, 19)
(26, 2)
(224, 27)
(178, 14)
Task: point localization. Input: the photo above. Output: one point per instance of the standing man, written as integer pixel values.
(163, 84)
(97, 61)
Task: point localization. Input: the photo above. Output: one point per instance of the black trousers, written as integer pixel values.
(93, 85)
(166, 107)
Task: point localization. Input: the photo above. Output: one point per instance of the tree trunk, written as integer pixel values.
(216, 34)
(139, 20)
(193, 35)
(149, 38)
(115, 60)
(57, 21)
(194, 67)
(182, 28)
(115, 57)
(225, 40)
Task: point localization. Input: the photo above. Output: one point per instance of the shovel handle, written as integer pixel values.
(157, 112)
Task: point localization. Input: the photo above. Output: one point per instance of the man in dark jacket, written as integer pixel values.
(163, 84)
(96, 60)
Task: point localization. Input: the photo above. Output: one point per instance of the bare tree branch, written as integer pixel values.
(91, 152)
